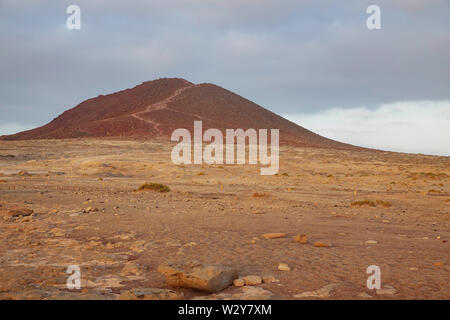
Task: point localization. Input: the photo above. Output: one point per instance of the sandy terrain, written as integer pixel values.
(217, 214)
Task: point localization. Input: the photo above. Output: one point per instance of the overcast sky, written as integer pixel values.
(312, 61)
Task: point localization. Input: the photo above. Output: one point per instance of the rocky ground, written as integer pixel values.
(309, 232)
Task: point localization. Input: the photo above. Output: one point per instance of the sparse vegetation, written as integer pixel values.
(382, 203)
(371, 203)
(361, 203)
(260, 195)
(154, 186)
(428, 175)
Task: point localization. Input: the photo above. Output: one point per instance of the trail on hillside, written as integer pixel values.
(158, 106)
(164, 104)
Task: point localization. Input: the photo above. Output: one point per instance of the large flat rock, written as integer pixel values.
(206, 277)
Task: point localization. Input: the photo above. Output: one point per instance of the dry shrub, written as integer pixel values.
(371, 203)
(260, 195)
(154, 186)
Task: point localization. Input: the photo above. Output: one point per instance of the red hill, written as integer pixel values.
(156, 108)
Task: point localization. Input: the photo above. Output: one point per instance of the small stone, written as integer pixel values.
(151, 294)
(387, 290)
(413, 268)
(283, 267)
(364, 295)
(130, 268)
(321, 244)
(57, 232)
(371, 242)
(324, 292)
(275, 235)
(252, 280)
(301, 238)
(269, 279)
(27, 219)
(238, 282)
(252, 293)
(20, 212)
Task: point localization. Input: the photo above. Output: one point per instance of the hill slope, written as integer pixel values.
(156, 108)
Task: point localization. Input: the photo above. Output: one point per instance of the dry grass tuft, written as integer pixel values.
(154, 186)
(371, 203)
(260, 195)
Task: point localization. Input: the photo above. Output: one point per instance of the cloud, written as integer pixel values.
(413, 127)
(290, 56)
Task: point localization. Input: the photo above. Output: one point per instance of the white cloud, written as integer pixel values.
(414, 127)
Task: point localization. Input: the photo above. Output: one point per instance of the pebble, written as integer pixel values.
(371, 242)
(364, 295)
(269, 279)
(273, 235)
(324, 292)
(238, 282)
(252, 280)
(387, 290)
(301, 238)
(321, 245)
(283, 267)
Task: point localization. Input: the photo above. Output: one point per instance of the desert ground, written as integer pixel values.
(364, 208)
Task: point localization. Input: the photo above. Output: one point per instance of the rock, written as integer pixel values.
(252, 280)
(301, 238)
(130, 268)
(364, 295)
(246, 293)
(321, 244)
(253, 293)
(387, 290)
(57, 232)
(211, 278)
(283, 267)
(23, 173)
(269, 279)
(371, 242)
(20, 212)
(238, 282)
(324, 292)
(151, 294)
(27, 219)
(273, 235)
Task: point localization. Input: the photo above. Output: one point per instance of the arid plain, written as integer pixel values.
(364, 207)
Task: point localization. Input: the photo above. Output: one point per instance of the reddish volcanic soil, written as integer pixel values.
(156, 108)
